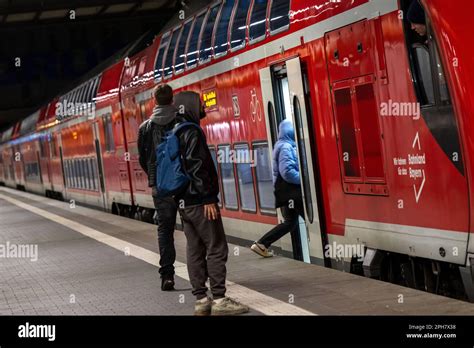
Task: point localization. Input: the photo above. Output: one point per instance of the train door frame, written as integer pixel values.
(312, 241)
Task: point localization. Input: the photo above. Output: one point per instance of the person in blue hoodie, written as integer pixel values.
(286, 180)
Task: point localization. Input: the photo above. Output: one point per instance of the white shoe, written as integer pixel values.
(228, 306)
(261, 250)
(203, 307)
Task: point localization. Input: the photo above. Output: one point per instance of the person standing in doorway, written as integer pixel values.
(150, 135)
(286, 181)
(417, 18)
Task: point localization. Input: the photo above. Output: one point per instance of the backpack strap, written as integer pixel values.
(180, 126)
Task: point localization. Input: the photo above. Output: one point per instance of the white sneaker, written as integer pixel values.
(228, 306)
(261, 250)
(203, 307)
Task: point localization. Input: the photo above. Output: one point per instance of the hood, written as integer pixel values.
(286, 131)
(191, 102)
(164, 114)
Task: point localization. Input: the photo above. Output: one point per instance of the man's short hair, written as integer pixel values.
(163, 94)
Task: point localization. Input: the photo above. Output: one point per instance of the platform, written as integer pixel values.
(94, 263)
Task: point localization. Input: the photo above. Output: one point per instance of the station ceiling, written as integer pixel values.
(47, 46)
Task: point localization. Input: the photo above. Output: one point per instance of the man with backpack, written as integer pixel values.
(195, 189)
(150, 135)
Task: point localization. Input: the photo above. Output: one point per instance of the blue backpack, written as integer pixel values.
(171, 177)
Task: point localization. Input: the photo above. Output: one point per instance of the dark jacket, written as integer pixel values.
(150, 135)
(197, 159)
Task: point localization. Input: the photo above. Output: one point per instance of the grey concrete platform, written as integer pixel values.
(91, 262)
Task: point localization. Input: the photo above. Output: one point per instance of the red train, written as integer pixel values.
(381, 118)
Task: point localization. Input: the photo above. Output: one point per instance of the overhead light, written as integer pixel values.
(152, 5)
(53, 14)
(119, 8)
(20, 17)
(87, 11)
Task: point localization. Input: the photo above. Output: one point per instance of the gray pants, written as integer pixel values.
(206, 251)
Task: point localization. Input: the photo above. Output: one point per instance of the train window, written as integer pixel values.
(227, 177)
(71, 174)
(181, 50)
(443, 84)
(74, 173)
(425, 79)
(212, 150)
(205, 50)
(78, 97)
(86, 174)
(279, 16)
(94, 89)
(54, 151)
(264, 175)
(192, 54)
(258, 20)
(89, 174)
(368, 117)
(108, 133)
(239, 27)
(431, 87)
(221, 43)
(161, 54)
(244, 164)
(93, 174)
(90, 86)
(82, 93)
(347, 135)
(80, 174)
(68, 173)
(91, 171)
(168, 66)
(43, 149)
(74, 96)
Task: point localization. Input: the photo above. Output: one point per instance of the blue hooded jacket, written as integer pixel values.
(285, 160)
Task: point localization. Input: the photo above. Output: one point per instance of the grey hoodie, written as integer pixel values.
(150, 135)
(163, 115)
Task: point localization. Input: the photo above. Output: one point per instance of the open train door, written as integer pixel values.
(285, 97)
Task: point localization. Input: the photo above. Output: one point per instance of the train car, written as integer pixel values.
(378, 115)
(137, 104)
(382, 123)
(76, 137)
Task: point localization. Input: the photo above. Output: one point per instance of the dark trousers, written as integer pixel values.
(165, 217)
(290, 224)
(206, 251)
